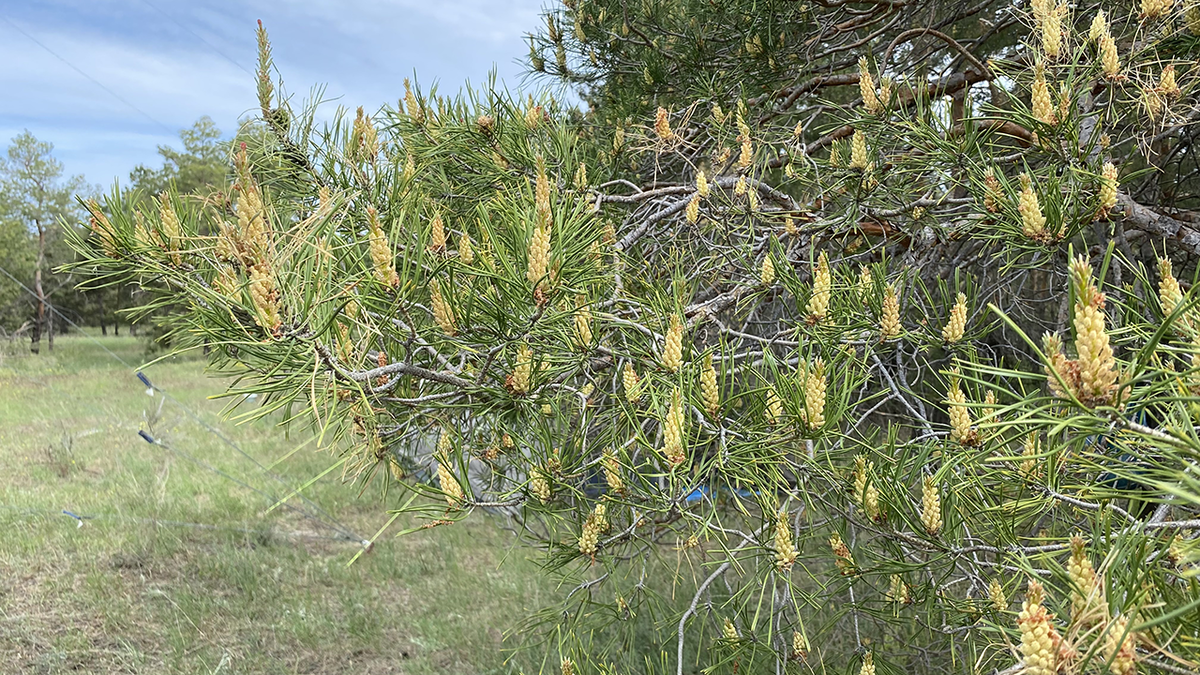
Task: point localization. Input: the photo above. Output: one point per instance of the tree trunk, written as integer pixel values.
(117, 328)
(100, 313)
(50, 327)
(40, 323)
(35, 336)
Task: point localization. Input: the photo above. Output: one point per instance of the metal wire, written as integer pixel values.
(82, 518)
(325, 518)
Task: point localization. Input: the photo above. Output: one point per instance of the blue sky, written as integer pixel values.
(108, 81)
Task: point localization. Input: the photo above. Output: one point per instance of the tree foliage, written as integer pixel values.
(830, 336)
(36, 200)
(200, 167)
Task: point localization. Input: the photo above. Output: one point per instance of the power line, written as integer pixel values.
(343, 534)
(196, 35)
(82, 517)
(91, 79)
(325, 517)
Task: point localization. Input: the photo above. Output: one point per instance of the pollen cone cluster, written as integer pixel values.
(861, 467)
(1033, 223)
(1167, 86)
(673, 430)
(1108, 188)
(443, 315)
(446, 480)
(265, 296)
(632, 383)
(1098, 27)
(799, 645)
(1059, 366)
(858, 152)
(437, 235)
(818, 303)
(996, 593)
(583, 327)
(692, 211)
(1110, 63)
(868, 665)
(1085, 585)
(364, 140)
(672, 355)
(466, 253)
(103, 229)
(1155, 9)
(814, 394)
(1043, 108)
(662, 125)
(841, 554)
(766, 275)
(593, 526)
(889, 322)
(1120, 648)
(785, 551)
(866, 87)
(866, 284)
(172, 233)
(1097, 368)
(1049, 16)
(1029, 462)
(774, 409)
(708, 388)
(539, 243)
(612, 472)
(382, 260)
(250, 242)
(345, 343)
(746, 152)
(1040, 640)
(960, 416)
(993, 195)
(931, 506)
(865, 492)
(957, 325)
(1170, 295)
(522, 374)
(539, 484)
(415, 111)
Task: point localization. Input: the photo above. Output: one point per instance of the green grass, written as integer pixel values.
(254, 592)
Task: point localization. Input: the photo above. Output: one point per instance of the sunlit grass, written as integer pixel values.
(236, 588)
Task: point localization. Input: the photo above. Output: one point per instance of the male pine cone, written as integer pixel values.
(708, 388)
(957, 325)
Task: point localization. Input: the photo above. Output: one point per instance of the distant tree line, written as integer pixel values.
(40, 203)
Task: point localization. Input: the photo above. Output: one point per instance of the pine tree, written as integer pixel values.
(940, 193)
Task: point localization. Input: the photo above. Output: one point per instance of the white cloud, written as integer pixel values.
(172, 88)
(174, 62)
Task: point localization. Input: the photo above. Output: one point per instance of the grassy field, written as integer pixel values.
(177, 569)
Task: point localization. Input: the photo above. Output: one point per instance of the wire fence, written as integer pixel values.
(294, 499)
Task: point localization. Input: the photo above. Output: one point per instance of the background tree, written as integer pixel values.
(202, 166)
(752, 347)
(38, 197)
(17, 256)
